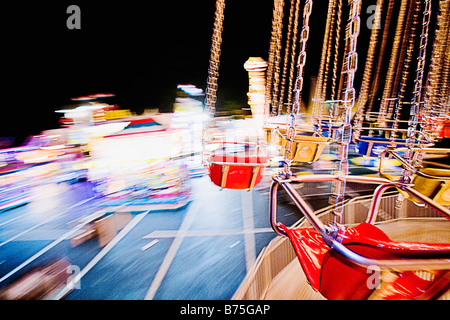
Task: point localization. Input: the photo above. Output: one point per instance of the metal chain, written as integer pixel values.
(349, 101)
(384, 39)
(214, 61)
(405, 74)
(269, 76)
(278, 36)
(336, 50)
(437, 82)
(445, 102)
(335, 65)
(302, 56)
(417, 94)
(364, 93)
(409, 28)
(343, 74)
(392, 65)
(319, 96)
(294, 51)
(326, 72)
(286, 56)
(291, 132)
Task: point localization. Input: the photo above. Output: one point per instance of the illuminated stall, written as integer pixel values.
(14, 190)
(135, 167)
(190, 118)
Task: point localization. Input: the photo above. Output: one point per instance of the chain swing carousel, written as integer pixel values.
(374, 131)
(430, 178)
(366, 247)
(231, 162)
(297, 140)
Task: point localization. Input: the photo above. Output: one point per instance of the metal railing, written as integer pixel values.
(329, 232)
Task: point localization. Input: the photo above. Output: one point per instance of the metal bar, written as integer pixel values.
(375, 204)
(374, 180)
(273, 210)
(391, 264)
(408, 166)
(306, 209)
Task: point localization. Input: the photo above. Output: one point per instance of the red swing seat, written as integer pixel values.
(337, 278)
(236, 172)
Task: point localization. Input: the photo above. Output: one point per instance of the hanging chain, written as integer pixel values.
(293, 53)
(392, 65)
(445, 100)
(335, 65)
(291, 132)
(214, 61)
(327, 68)
(276, 72)
(445, 84)
(409, 28)
(415, 106)
(269, 73)
(319, 96)
(330, 41)
(286, 56)
(438, 76)
(349, 101)
(405, 74)
(384, 40)
(336, 50)
(364, 93)
(302, 57)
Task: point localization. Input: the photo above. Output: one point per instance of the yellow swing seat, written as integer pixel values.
(306, 148)
(434, 188)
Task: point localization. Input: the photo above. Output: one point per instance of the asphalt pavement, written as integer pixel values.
(200, 251)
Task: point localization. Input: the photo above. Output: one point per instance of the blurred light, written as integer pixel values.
(90, 107)
(190, 89)
(58, 146)
(92, 96)
(136, 146)
(34, 160)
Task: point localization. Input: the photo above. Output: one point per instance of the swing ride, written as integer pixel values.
(228, 166)
(391, 245)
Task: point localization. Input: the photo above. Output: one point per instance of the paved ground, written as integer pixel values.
(201, 251)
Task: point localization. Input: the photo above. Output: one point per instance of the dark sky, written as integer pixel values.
(138, 50)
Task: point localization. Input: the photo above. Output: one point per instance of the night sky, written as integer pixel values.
(138, 50)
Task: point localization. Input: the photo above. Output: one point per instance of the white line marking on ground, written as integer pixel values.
(41, 252)
(47, 248)
(248, 222)
(13, 219)
(170, 255)
(101, 254)
(98, 213)
(45, 221)
(234, 244)
(149, 245)
(204, 233)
